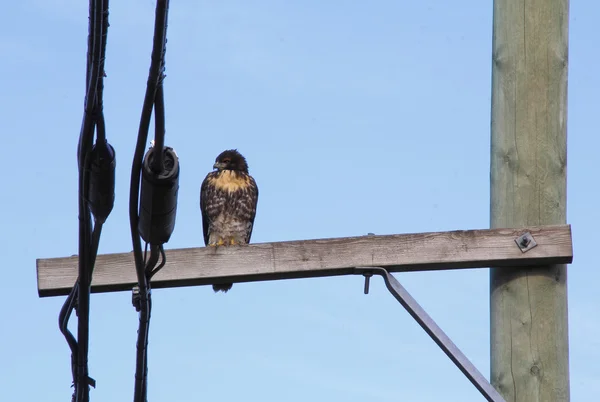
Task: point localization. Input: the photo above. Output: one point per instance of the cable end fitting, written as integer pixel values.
(101, 193)
(158, 200)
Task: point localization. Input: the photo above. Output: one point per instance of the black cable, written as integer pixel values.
(70, 302)
(99, 106)
(163, 261)
(141, 370)
(85, 142)
(139, 393)
(158, 63)
(159, 129)
(158, 58)
(92, 77)
(100, 129)
(155, 77)
(63, 322)
(83, 294)
(152, 260)
(89, 241)
(135, 238)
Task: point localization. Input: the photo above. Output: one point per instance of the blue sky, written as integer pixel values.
(355, 117)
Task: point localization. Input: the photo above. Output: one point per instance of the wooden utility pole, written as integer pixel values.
(529, 330)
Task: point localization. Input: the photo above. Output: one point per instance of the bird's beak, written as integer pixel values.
(218, 165)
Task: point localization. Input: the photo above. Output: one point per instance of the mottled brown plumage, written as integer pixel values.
(228, 199)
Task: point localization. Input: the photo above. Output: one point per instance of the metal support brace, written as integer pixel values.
(433, 330)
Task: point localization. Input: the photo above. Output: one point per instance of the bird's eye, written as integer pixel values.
(226, 160)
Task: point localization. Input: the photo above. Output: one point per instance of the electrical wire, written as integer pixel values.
(99, 105)
(78, 298)
(70, 303)
(88, 240)
(159, 129)
(155, 78)
(158, 63)
(163, 261)
(63, 321)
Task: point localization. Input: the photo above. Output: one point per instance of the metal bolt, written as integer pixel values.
(525, 242)
(535, 370)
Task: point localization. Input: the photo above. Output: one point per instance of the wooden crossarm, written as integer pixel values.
(315, 258)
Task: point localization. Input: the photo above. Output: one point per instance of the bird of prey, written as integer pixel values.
(228, 199)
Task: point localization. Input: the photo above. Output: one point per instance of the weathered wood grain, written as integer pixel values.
(314, 258)
(529, 334)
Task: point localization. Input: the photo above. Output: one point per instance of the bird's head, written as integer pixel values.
(231, 160)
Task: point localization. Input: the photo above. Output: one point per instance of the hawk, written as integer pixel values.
(228, 199)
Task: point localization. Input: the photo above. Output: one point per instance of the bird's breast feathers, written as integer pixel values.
(229, 181)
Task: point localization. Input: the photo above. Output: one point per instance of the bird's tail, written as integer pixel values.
(223, 287)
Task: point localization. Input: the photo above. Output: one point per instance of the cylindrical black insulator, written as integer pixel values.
(158, 199)
(101, 192)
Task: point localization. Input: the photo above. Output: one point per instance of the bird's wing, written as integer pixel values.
(206, 191)
(254, 201)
